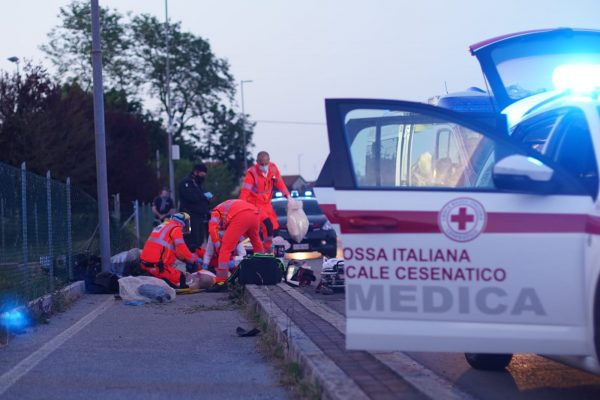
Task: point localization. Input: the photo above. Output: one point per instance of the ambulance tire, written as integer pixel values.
(488, 362)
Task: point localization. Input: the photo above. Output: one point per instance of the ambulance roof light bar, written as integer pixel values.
(577, 77)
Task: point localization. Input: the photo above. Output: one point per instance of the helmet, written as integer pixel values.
(184, 219)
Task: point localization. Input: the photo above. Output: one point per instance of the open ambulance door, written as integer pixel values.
(455, 239)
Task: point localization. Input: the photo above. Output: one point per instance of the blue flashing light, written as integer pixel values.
(14, 320)
(308, 193)
(577, 77)
(278, 194)
(294, 193)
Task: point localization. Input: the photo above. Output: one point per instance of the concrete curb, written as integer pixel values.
(334, 383)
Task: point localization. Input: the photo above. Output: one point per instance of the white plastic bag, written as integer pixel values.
(201, 279)
(129, 285)
(296, 220)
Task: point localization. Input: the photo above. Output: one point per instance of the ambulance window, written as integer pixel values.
(534, 133)
(403, 149)
(572, 148)
(389, 155)
(362, 151)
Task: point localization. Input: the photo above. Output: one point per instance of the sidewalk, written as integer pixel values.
(314, 336)
(104, 349)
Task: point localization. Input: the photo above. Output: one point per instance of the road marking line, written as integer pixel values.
(419, 376)
(18, 371)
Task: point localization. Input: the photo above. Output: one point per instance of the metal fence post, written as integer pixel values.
(36, 227)
(136, 210)
(2, 227)
(117, 207)
(50, 241)
(24, 212)
(69, 233)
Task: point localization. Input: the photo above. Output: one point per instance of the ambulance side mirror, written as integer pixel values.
(519, 173)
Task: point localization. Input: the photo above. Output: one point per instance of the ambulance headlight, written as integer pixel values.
(577, 77)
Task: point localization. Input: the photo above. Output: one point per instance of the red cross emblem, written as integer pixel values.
(462, 218)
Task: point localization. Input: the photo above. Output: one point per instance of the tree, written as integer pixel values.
(70, 47)
(224, 138)
(41, 124)
(199, 80)
(135, 55)
(51, 127)
(221, 182)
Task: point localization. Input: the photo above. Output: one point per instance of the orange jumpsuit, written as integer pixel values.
(166, 244)
(257, 189)
(236, 218)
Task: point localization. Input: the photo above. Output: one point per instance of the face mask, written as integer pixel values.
(199, 178)
(264, 168)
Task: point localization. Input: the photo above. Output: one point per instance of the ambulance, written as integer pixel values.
(476, 232)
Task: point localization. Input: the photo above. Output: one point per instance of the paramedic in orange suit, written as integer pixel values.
(236, 217)
(164, 246)
(257, 189)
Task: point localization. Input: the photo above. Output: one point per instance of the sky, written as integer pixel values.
(298, 53)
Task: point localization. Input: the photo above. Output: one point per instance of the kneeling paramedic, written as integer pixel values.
(210, 255)
(236, 218)
(164, 246)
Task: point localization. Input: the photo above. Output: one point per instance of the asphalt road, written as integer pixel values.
(528, 377)
(104, 349)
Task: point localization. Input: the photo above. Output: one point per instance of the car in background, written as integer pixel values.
(321, 236)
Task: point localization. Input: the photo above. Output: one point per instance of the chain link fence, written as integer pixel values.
(45, 225)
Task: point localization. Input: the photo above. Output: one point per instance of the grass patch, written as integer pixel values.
(202, 307)
(291, 374)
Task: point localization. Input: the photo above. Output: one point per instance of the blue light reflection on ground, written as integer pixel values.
(14, 320)
(13, 317)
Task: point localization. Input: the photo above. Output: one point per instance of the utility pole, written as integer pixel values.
(102, 184)
(244, 127)
(169, 114)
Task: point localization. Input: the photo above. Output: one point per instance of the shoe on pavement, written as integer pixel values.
(217, 288)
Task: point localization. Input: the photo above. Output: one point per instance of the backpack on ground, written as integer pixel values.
(259, 269)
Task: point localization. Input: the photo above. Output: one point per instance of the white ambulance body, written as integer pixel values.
(461, 237)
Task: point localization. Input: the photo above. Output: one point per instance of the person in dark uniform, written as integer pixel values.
(194, 201)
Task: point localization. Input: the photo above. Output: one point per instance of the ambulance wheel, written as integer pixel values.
(488, 362)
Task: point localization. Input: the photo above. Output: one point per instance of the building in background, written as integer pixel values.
(295, 182)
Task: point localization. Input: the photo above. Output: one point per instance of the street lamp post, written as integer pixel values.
(15, 59)
(300, 164)
(168, 100)
(244, 116)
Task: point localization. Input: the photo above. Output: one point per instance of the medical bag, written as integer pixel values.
(259, 269)
(299, 273)
(332, 273)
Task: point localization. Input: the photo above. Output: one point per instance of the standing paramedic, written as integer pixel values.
(236, 218)
(194, 201)
(257, 189)
(164, 246)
